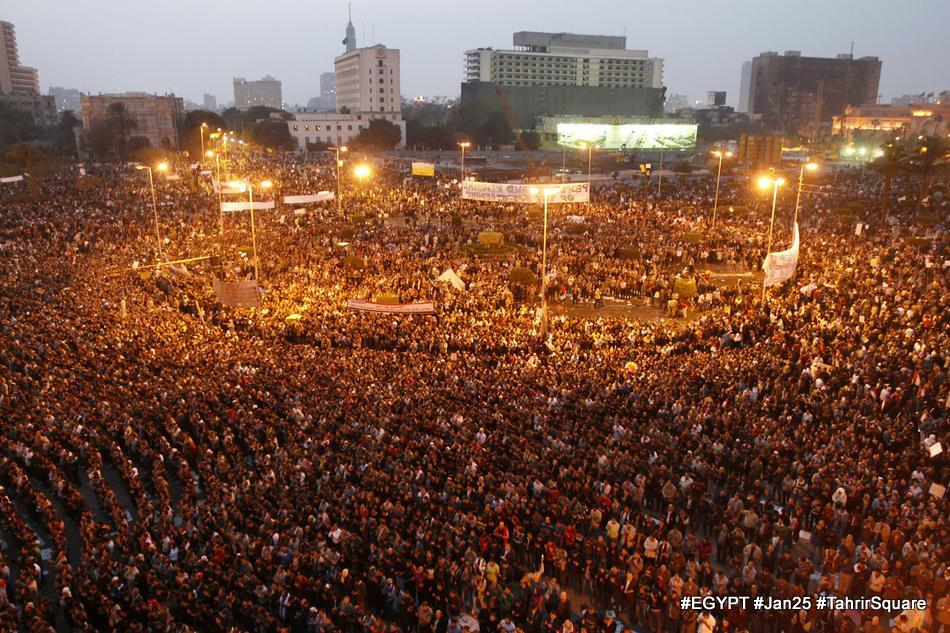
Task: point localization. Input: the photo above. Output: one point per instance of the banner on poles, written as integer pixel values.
(423, 169)
(503, 192)
(419, 307)
(172, 177)
(315, 197)
(237, 294)
(12, 179)
(781, 265)
(231, 207)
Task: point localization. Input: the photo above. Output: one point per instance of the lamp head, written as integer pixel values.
(464, 144)
(239, 185)
(811, 166)
(266, 184)
(209, 154)
(162, 167)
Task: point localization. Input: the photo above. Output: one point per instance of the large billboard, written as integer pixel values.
(629, 135)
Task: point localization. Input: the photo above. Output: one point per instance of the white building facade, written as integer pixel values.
(333, 128)
(367, 80)
(565, 59)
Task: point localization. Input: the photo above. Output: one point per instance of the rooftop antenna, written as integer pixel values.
(852, 49)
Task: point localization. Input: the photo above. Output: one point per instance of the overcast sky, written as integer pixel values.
(195, 46)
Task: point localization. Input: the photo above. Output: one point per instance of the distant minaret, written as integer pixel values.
(350, 41)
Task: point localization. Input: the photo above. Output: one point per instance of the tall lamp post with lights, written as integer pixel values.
(764, 183)
(547, 191)
(464, 145)
(151, 183)
(719, 154)
(339, 164)
(801, 179)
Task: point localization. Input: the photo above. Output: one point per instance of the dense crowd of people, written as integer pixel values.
(168, 463)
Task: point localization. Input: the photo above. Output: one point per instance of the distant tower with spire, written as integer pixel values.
(350, 41)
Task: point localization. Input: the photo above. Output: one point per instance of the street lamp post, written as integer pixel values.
(463, 145)
(764, 183)
(201, 133)
(719, 154)
(339, 194)
(266, 184)
(801, 178)
(151, 184)
(544, 259)
(590, 150)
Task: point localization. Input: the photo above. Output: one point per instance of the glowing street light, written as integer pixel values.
(764, 183)
(362, 171)
(719, 154)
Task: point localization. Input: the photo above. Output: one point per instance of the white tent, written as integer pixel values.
(450, 276)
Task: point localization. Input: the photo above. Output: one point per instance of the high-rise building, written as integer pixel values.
(262, 92)
(328, 91)
(801, 95)
(14, 78)
(66, 98)
(744, 80)
(716, 98)
(156, 117)
(367, 80)
(565, 59)
(210, 103)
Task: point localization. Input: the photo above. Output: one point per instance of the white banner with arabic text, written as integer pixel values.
(419, 307)
(315, 197)
(231, 207)
(503, 192)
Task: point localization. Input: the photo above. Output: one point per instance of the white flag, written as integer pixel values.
(781, 265)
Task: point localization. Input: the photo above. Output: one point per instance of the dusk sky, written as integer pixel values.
(193, 47)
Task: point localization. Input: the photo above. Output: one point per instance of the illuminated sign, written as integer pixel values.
(922, 113)
(639, 135)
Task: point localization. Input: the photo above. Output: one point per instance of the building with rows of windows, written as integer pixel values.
(565, 59)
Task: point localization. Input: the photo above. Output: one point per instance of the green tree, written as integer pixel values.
(27, 155)
(65, 132)
(889, 162)
(190, 129)
(381, 135)
(100, 139)
(925, 159)
(122, 122)
(15, 126)
(271, 134)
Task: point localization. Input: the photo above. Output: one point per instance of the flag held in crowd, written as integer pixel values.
(781, 265)
(237, 294)
(423, 169)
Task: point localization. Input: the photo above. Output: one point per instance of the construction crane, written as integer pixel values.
(510, 116)
(628, 154)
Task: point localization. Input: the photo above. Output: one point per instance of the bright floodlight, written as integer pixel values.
(162, 167)
(361, 171)
(811, 166)
(728, 154)
(237, 184)
(344, 148)
(209, 154)
(266, 184)
(717, 154)
(465, 144)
